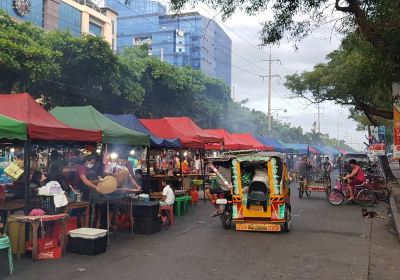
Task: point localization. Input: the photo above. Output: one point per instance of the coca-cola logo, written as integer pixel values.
(46, 255)
(48, 244)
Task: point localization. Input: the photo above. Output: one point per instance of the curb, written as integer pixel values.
(395, 214)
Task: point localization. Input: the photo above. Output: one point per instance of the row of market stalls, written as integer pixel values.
(156, 150)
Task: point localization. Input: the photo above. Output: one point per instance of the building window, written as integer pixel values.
(112, 27)
(179, 50)
(69, 19)
(95, 29)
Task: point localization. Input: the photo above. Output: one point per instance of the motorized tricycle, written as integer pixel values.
(259, 199)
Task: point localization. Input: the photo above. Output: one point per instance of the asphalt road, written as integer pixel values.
(326, 242)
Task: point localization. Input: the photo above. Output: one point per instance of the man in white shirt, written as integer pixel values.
(197, 164)
(168, 196)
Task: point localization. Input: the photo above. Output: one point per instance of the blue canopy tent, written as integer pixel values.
(301, 149)
(275, 144)
(131, 122)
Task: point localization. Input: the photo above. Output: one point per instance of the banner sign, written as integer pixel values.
(396, 121)
(377, 140)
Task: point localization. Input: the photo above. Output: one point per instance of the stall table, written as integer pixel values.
(10, 206)
(35, 222)
(79, 205)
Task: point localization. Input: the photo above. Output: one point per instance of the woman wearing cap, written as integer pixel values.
(356, 177)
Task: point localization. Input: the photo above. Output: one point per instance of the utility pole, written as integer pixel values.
(270, 76)
(319, 118)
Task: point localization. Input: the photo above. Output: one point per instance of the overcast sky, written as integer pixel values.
(310, 51)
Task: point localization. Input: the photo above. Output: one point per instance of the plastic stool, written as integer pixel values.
(188, 199)
(180, 202)
(5, 244)
(170, 210)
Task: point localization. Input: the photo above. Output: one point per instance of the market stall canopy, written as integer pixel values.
(275, 144)
(229, 142)
(250, 140)
(186, 126)
(41, 124)
(314, 150)
(87, 117)
(130, 121)
(343, 151)
(12, 129)
(301, 149)
(161, 128)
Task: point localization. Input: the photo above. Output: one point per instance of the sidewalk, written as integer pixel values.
(395, 197)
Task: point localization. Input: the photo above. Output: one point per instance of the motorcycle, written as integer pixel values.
(225, 204)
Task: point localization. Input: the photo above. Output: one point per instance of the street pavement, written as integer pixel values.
(326, 242)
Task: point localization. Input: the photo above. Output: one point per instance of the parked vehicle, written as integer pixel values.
(260, 195)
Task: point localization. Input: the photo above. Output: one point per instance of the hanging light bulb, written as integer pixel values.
(215, 154)
(132, 152)
(185, 154)
(98, 151)
(114, 156)
(12, 150)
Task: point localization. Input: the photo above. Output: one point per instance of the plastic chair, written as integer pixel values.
(5, 244)
(170, 211)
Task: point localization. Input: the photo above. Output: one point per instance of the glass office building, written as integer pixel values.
(77, 16)
(185, 39)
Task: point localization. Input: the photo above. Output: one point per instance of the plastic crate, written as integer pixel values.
(146, 210)
(47, 204)
(147, 226)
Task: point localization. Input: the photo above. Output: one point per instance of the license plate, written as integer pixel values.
(221, 201)
(258, 227)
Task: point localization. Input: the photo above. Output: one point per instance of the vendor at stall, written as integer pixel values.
(86, 176)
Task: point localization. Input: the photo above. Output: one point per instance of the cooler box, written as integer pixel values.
(87, 241)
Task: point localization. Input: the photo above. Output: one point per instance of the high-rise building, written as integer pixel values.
(77, 16)
(184, 39)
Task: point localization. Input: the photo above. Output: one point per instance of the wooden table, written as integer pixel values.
(35, 222)
(159, 195)
(79, 205)
(10, 206)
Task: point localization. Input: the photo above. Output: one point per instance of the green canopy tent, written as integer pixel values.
(87, 117)
(12, 129)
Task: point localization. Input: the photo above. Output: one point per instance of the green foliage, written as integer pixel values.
(356, 76)
(24, 60)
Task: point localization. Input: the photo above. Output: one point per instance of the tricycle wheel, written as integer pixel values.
(301, 190)
(335, 198)
(226, 217)
(366, 198)
(382, 194)
(287, 226)
(308, 193)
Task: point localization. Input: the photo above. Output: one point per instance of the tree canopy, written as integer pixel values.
(356, 75)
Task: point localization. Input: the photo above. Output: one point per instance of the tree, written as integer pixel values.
(356, 76)
(24, 58)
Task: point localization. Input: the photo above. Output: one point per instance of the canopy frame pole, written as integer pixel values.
(203, 175)
(148, 168)
(27, 167)
(180, 167)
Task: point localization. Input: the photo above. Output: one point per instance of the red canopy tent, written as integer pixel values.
(229, 142)
(191, 135)
(187, 127)
(41, 124)
(161, 128)
(249, 139)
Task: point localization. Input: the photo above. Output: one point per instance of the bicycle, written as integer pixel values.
(363, 194)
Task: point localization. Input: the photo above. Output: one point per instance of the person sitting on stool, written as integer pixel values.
(168, 198)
